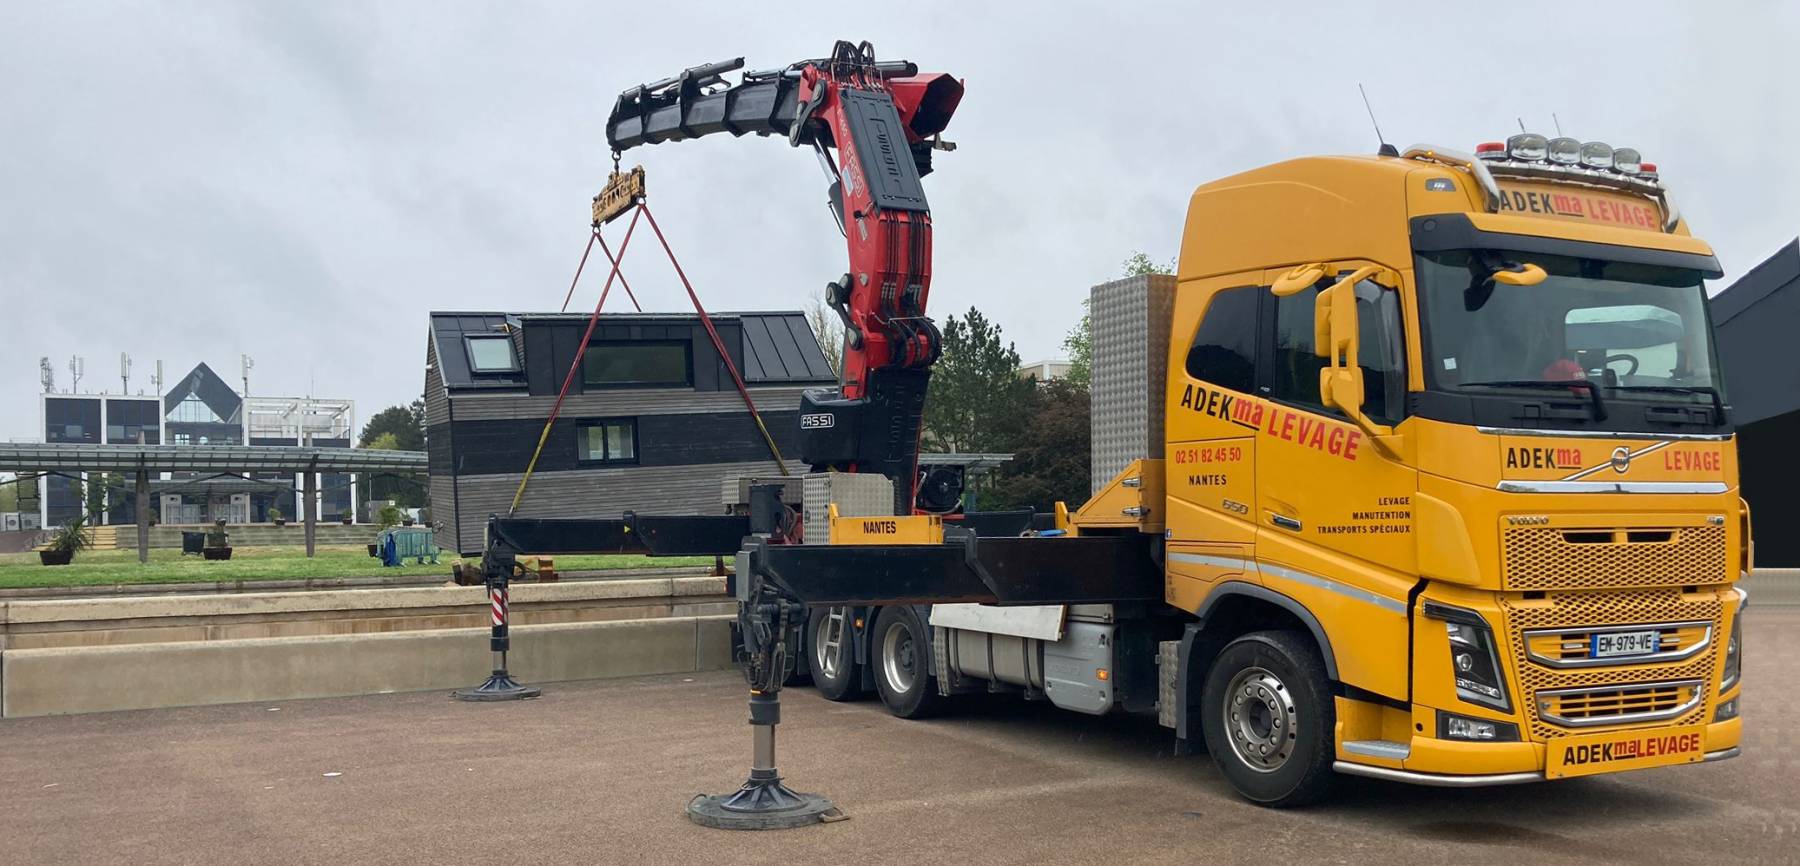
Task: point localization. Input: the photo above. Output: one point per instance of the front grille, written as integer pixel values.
(1561, 557)
(1618, 705)
(1569, 647)
(1619, 608)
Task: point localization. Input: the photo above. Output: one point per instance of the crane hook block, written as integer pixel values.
(623, 190)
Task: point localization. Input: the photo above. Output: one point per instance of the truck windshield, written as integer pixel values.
(1636, 332)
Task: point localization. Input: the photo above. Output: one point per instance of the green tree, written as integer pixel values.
(1051, 464)
(405, 423)
(977, 402)
(9, 494)
(386, 441)
(1140, 264)
(828, 329)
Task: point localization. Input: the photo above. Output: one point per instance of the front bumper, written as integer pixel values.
(1457, 764)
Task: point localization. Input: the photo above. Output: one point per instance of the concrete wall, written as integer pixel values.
(92, 655)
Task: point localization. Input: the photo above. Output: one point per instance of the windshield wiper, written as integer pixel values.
(1718, 402)
(1560, 384)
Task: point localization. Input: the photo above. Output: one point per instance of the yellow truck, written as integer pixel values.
(1434, 481)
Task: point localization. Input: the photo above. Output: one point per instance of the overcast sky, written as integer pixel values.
(303, 182)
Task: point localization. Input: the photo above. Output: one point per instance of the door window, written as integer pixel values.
(1380, 354)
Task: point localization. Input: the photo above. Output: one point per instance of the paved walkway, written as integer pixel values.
(599, 772)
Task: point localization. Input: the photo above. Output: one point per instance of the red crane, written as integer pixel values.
(883, 120)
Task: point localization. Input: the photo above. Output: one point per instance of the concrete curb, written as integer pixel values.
(115, 590)
(35, 682)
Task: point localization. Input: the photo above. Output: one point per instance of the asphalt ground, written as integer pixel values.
(599, 772)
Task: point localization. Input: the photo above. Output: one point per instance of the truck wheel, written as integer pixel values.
(832, 654)
(900, 652)
(1269, 718)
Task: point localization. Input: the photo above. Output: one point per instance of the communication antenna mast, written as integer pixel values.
(1385, 149)
(47, 374)
(156, 379)
(124, 374)
(248, 362)
(77, 366)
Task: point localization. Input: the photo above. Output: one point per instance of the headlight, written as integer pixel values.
(1734, 652)
(1474, 661)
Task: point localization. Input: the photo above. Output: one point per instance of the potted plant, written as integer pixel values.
(388, 517)
(218, 544)
(348, 515)
(64, 542)
(276, 516)
(155, 515)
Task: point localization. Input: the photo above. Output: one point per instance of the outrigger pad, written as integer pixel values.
(764, 803)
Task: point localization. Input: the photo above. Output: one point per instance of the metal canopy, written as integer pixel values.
(75, 457)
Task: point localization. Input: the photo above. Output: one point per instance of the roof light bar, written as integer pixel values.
(1627, 160)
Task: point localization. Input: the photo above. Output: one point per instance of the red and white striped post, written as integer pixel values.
(500, 685)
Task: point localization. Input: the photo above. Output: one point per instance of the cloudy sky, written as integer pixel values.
(302, 182)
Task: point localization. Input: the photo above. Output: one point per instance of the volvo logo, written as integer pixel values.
(1621, 459)
(1528, 519)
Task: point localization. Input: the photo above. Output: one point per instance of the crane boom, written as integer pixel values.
(881, 119)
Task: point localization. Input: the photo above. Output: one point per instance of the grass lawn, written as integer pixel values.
(112, 567)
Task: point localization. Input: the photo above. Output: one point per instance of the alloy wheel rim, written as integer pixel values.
(1260, 719)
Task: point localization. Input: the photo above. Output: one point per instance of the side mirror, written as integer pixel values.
(1335, 329)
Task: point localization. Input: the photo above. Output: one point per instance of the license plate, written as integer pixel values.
(1625, 643)
(1624, 750)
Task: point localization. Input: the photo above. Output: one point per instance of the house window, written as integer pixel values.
(613, 441)
(491, 354)
(641, 364)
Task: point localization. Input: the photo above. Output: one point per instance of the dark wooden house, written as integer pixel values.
(652, 421)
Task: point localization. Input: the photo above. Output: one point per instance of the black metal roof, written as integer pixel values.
(779, 347)
(447, 333)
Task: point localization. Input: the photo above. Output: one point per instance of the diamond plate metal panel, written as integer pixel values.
(1130, 321)
(856, 495)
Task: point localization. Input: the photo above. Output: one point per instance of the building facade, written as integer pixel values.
(201, 408)
(652, 421)
(1752, 319)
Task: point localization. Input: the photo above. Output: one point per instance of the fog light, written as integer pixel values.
(1455, 727)
(1727, 711)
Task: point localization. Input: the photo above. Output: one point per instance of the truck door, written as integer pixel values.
(1210, 452)
(1334, 526)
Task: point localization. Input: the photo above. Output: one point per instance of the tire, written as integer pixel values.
(1269, 718)
(900, 655)
(838, 679)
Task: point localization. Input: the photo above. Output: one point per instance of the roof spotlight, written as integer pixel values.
(1528, 146)
(1597, 154)
(1565, 151)
(1627, 160)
